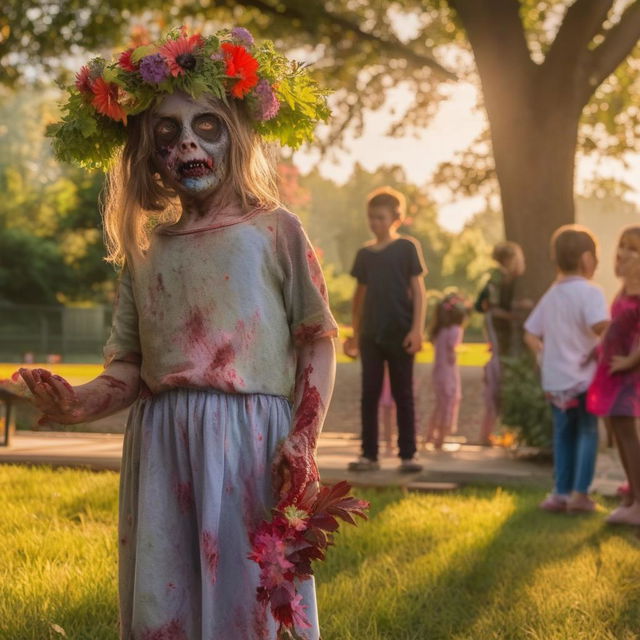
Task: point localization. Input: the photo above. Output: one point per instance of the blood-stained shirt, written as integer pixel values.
(222, 307)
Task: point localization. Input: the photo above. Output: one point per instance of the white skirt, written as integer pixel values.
(195, 481)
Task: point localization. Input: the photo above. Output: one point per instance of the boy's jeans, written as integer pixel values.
(575, 446)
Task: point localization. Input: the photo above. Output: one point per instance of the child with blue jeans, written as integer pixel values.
(563, 331)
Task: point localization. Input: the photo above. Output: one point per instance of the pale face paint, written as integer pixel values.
(191, 144)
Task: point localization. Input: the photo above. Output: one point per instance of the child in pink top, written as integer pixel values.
(615, 390)
(446, 334)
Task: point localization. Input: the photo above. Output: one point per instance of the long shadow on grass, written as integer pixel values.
(490, 576)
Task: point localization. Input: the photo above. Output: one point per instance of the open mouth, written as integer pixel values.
(196, 168)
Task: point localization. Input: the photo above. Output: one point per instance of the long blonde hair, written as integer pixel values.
(135, 199)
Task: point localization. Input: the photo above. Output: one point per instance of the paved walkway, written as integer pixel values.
(458, 464)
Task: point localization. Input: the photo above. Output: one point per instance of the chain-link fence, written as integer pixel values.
(34, 333)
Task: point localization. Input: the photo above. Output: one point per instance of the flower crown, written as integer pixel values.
(283, 101)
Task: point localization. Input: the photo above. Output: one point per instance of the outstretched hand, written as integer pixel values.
(53, 396)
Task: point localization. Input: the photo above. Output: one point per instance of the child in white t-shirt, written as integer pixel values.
(563, 330)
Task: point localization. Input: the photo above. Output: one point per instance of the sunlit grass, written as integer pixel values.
(479, 564)
(74, 373)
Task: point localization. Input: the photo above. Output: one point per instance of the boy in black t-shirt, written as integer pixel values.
(388, 324)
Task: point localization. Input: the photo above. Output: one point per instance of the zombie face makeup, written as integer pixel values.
(191, 144)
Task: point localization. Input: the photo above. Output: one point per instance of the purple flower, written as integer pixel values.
(242, 35)
(269, 105)
(153, 69)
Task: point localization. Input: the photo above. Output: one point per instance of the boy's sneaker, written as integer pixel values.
(554, 503)
(364, 464)
(410, 465)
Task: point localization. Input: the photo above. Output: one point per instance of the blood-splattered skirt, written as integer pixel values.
(196, 478)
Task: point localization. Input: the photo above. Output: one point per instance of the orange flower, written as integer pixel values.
(178, 53)
(105, 100)
(242, 65)
(126, 62)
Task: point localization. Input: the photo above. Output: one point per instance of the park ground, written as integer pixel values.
(480, 563)
(475, 562)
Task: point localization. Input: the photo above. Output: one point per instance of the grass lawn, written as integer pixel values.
(479, 564)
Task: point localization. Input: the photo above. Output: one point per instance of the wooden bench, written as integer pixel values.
(7, 402)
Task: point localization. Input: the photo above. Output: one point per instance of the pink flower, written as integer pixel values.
(297, 534)
(179, 53)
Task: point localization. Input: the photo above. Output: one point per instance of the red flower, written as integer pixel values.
(126, 62)
(83, 80)
(242, 65)
(178, 53)
(105, 100)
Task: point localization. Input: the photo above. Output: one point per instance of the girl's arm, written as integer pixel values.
(625, 363)
(294, 467)
(413, 340)
(115, 389)
(533, 341)
(357, 304)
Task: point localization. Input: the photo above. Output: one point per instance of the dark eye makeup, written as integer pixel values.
(166, 130)
(207, 126)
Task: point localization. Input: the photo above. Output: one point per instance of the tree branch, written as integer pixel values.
(308, 20)
(496, 34)
(581, 23)
(618, 44)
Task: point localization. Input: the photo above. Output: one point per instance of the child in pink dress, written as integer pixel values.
(615, 390)
(446, 334)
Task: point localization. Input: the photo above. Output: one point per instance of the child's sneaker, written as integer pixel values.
(364, 464)
(410, 465)
(625, 515)
(580, 503)
(554, 503)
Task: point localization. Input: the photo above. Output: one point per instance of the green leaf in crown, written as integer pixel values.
(285, 103)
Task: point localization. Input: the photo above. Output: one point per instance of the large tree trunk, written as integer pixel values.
(535, 169)
(533, 113)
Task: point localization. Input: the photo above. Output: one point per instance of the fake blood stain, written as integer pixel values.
(306, 333)
(184, 495)
(210, 553)
(195, 326)
(173, 630)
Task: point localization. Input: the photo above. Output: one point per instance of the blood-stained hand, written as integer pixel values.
(294, 466)
(60, 403)
(53, 396)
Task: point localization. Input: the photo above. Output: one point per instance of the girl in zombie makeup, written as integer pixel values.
(221, 337)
